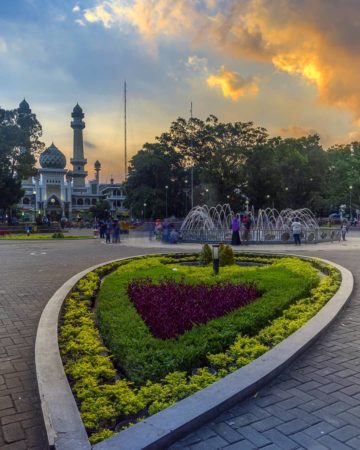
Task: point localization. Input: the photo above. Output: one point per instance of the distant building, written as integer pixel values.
(61, 193)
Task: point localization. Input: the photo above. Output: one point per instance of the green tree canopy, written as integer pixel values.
(20, 134)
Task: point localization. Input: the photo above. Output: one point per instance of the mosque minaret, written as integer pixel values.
(78, 161)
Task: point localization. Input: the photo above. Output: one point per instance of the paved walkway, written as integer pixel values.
(314, 404)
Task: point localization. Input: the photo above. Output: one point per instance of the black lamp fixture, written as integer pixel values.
(215, 255)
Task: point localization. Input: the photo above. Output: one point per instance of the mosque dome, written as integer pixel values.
(24, 106)
(52, 158)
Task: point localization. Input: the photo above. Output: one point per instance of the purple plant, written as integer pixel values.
(171, 308)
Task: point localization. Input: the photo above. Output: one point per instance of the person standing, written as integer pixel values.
(235, 227)
(296, 230)
(343, 231)
(247, 228)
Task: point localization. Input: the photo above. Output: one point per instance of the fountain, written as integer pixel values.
(204, 224)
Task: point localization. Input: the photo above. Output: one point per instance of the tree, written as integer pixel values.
(217, 152)
(20, 143)
(151, 169)
(101, 210)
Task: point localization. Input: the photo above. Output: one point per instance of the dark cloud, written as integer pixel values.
(90, 145)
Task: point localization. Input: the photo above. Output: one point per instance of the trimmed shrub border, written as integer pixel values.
(65, 429)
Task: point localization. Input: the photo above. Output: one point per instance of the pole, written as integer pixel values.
(125, 137)
(350, 189)
(166, 202)
(192, 167)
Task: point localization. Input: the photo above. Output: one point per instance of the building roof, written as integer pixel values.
(52, 158)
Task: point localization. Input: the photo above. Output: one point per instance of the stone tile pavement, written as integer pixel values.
(30, 272)
(315, 404)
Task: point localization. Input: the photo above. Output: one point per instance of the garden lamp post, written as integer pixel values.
(215, 255)
(166, 200)
(145, 205)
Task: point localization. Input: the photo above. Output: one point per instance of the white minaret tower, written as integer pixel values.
(78, 161)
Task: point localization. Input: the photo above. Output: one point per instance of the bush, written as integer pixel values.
(58, 235)
(205, 256)
(226, 255)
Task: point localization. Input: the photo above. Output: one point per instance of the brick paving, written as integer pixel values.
(314, 404)
(30, 273)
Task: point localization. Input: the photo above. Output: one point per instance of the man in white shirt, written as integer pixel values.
(296, 229)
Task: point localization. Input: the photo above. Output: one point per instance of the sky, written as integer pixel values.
(291, 66)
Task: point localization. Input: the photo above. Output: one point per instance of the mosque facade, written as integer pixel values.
(60, 193)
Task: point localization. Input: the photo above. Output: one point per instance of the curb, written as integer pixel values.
(63, 424)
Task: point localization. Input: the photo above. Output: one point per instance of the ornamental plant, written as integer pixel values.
(170, 308)
(205, 256)
(226, 255)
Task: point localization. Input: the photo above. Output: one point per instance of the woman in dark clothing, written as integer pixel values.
(235, 227)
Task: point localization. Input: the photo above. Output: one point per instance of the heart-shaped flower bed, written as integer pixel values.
(170, 308)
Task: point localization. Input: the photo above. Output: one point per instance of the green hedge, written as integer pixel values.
(141, 357)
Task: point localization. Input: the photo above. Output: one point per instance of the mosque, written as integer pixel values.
(57, 192)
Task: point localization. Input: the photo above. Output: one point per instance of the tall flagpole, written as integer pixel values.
(192, 167)
(125, 139)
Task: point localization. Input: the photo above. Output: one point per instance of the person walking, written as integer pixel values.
(108, 232)
(343, 231)
(296, 230)
(235, 227)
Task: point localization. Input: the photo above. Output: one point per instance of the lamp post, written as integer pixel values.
(144, 211)
(215, 255)
(166, 200)
(350, 191)
(186, 195)
(268, 196)
(34, 194)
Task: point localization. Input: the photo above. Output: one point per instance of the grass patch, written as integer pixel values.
(40, 236)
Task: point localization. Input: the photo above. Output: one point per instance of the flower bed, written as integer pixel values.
(107, 402)
(171, 308)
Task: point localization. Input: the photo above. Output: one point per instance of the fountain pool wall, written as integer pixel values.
(204, 224)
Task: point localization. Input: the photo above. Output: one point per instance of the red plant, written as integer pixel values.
(171, 308)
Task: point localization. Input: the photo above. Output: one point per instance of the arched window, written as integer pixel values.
(87, 201)
(26, 201)
(80, 201)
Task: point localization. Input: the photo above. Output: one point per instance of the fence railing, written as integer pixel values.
(266, 236)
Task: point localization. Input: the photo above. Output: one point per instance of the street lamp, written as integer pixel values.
(350, 191)
(166, 200)
(34, 194)
(268, 198)
(186, 194)
(144, 211)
